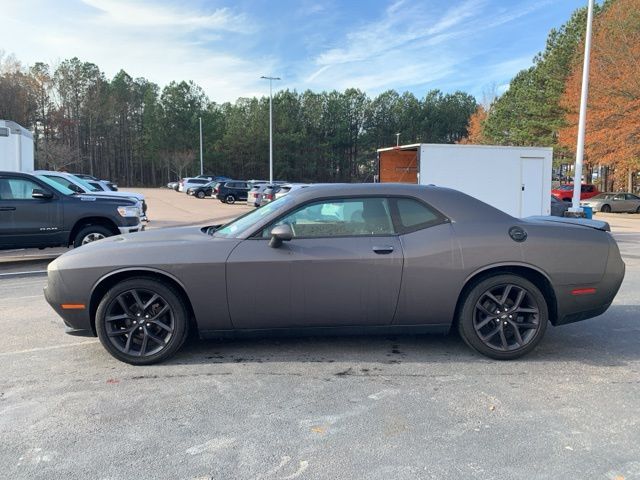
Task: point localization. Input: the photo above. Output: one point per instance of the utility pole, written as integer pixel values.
(577, 174)
(201, 164)
(271, 79)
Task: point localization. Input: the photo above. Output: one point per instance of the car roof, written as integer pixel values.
(452, 203)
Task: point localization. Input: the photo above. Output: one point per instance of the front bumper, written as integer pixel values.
(135, 228)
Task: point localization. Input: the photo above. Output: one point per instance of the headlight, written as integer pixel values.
(129, 211)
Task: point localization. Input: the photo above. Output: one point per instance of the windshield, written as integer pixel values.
(85, 184)
(565, 187)
(243, 223)
(56, 186)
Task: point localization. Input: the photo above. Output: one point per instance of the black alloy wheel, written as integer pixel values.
(200, 194)
(605, 209)
(141, 321)
(230, 199)
(503, 317)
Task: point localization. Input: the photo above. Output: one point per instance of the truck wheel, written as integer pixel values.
(142, 321)
(91, 233)
(503, 317)
(200, 194)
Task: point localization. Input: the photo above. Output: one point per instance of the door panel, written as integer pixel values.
(26, 221)
(532, 185)
(314, 282)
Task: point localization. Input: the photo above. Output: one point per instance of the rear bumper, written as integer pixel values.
(574, 308)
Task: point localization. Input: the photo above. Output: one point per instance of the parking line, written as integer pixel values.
(52, 347)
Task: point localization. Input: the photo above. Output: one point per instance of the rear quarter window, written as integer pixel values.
(412, 215)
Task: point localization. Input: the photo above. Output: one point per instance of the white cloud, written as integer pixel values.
(159, 43)
(124, 12)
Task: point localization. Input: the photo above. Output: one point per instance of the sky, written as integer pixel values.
(225, 46)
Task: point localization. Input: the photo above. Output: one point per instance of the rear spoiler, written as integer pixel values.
(583, 222)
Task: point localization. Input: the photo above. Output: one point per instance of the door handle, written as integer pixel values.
(383, 250)
(7, 209)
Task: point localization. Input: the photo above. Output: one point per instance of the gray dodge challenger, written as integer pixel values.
(341, 259)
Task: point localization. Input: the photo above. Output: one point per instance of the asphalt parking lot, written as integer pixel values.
(416, 407)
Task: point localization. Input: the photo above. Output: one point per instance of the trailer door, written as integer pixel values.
(532, 182)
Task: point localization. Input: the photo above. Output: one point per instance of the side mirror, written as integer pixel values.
(37, 193)
(279, 234)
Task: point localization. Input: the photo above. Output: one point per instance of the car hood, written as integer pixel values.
(166, 247)
(119, 194)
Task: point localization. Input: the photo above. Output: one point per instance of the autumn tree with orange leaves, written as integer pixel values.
(613, 114)
(475, 130)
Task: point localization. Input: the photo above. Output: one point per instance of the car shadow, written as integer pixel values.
(612, 339)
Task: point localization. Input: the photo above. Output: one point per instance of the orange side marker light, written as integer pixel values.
(73, 306)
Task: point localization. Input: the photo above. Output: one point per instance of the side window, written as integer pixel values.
(414, 215)
(619, 197)
(17, 189)
(631, 197)
(339, 218)
(64, 182)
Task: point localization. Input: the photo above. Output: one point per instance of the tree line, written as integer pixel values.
(541, 105)
(134, 132)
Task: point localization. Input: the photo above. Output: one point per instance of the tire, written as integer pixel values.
(91, 233)
(637, 210)
(200, 194)
(499, 329)
(605, 209)
(230, 199)
(130, 346)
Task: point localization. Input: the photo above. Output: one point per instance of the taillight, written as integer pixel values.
(255, 195)
(269, 196)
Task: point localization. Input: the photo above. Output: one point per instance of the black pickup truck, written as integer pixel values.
(36, 212)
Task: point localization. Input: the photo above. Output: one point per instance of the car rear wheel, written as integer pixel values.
(91, 233)
(605, 209)
(142, 321)
(200, 194)
(503, 317)
(230, 199)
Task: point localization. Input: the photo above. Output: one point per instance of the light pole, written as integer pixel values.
(201, 169)
(397, 139)
(271, 79)
(577, 173)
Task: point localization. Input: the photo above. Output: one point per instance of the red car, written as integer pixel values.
(565, 192)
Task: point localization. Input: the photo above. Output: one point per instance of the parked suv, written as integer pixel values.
(202, 191)
(36, 211)
(231, 191)
(186, 183)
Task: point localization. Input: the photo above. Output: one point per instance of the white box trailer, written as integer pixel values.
(516, 180)
(16, 147)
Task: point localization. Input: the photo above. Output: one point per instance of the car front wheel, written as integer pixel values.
(142, 321)
(503, 317)
(200, 194)
(91, 233)
(605, 209)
